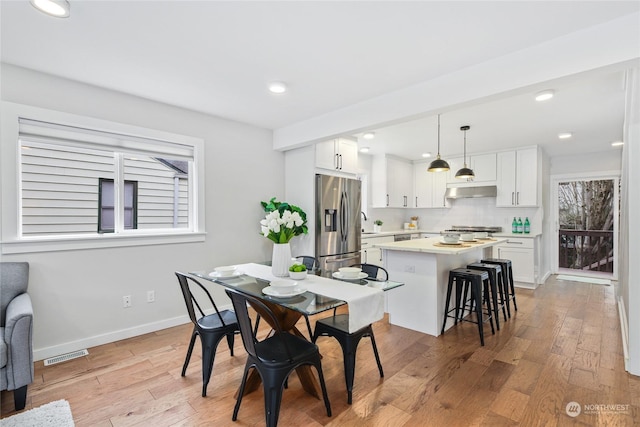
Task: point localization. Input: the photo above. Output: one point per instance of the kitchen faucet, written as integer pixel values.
(365, 218)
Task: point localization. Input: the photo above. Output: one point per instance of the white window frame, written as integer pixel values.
(10, 180)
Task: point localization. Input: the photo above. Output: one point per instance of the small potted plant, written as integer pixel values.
(377, 226)
(298, 271)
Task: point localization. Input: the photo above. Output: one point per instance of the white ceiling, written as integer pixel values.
(217, 57)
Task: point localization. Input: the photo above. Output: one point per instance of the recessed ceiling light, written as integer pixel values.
(369, 135)
(426, 155)
(57, 8)
(364, 150)
(277, 87)
(544, 95)
(565, 135)
(617, 143)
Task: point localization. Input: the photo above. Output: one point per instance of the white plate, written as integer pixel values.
(286, 294)
(339, 275)
(452, 244)
(235, 273)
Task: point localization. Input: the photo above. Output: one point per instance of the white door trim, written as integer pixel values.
(557, 179)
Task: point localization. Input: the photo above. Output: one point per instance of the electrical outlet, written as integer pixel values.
(126, 301)
(151, 296)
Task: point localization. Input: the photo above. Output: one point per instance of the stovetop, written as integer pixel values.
(474, 228)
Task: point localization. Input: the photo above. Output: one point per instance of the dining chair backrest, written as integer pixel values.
(192, 303)
(240, 302)
(373, 271)
(310, 262)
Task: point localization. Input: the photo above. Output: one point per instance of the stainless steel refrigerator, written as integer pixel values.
(338, 230)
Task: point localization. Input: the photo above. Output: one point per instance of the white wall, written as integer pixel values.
(77, 295)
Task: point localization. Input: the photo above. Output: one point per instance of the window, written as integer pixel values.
(106, 218)
(80, 181)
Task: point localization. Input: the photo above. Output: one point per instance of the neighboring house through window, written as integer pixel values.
(85, 182)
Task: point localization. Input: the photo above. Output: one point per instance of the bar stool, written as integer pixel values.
(507, 276)
(496, 284)
(468, 278)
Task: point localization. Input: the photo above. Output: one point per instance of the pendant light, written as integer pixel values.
(438, 165)
(465, 172)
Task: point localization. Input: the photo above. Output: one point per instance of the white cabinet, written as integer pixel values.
(517, 178)
(392, 182)
(338, 155)
(483, 166)
(430, 187)
(523, 255)
(371, 255)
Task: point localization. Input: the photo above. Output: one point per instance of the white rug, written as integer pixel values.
(584, 279)
(53, 414)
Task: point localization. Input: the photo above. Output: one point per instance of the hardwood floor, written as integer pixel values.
(563, 345)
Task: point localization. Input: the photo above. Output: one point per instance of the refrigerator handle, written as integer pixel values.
(329, 261)
(343, 217)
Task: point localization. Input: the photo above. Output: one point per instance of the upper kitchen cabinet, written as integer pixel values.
(392, 182)
(517, 178)
(339, 155)
(483, 166)
(430, 187)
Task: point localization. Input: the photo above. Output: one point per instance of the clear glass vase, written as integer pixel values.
(281, 259)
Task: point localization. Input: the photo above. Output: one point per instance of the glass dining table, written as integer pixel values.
(288, 310)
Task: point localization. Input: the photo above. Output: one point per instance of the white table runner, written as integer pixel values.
(366, 305)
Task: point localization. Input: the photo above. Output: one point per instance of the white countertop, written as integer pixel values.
(431, 245)
(513, 235)
(369, 234)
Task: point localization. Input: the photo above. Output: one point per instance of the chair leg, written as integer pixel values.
(230, 341)
(446, 307)
(375, 352)
(476, 295)
(189, 351)
(513, 290)
(209, 347)
(236, 408)
(272, 402)
(20, 397)
(325, 396)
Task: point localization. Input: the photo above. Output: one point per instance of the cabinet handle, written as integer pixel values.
(511, 242)
(416, 201)
(387, 200)
(405, 201)
(337, 161)
(517, 198)
(340, 161)
(513, 198)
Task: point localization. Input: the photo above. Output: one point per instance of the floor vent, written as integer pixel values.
(65, 357)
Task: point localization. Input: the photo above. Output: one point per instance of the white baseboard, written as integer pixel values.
(624, 330)
(68, 347)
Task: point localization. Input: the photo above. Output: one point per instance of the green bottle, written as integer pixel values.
(519, 226)
(514, 225)
(527, 226)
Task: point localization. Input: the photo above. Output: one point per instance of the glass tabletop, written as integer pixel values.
(307, 302)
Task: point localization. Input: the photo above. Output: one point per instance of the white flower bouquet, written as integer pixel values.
(283, 221)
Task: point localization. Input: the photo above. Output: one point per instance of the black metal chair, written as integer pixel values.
(374, 272)
(337, 326)
(310, 262)
(275, 357)
(210, 328)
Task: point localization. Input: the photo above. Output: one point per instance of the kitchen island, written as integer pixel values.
(423, 265)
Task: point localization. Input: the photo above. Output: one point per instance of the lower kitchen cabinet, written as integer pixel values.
(371, 255)
(523, 253)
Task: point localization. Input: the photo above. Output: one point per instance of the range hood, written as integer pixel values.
(469, 192)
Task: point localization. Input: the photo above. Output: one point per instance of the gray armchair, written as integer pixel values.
(16, 329)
